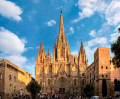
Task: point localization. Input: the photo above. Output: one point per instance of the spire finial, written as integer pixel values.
(55, 41)
(61, 11)
(48, 52)
(81, 48)
(41, 46)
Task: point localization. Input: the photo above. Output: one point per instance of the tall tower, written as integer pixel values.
(82, 62)
(41, 54)
(39, 60)
(61, 50)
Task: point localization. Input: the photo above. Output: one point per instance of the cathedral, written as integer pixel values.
(62, 73)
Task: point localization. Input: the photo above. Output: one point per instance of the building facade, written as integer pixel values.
(102, 68)
(13, 80)
(62, 73)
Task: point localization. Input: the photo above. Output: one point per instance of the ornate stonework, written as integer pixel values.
(64, 72)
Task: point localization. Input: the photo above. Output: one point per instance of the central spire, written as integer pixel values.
(61, 36)
(81, 48)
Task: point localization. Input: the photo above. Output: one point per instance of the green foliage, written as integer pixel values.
(89, 90)
(104, 88)
(33, 87)
(115, 48)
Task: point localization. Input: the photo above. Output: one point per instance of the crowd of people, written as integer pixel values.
(62, 96)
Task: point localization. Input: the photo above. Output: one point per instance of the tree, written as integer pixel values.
(89, 90)
(115, 48)
(104, 88)
(33, 87)
(116, 84)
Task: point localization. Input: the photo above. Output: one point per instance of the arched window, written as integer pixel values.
(74, 59)
(74, 81)
(101, 67)
(83, 74)
(14, 78)
(55, 53)
(10, 77)
(106, 67)
(48, 81)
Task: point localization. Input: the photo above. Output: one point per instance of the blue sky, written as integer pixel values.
(24, 22)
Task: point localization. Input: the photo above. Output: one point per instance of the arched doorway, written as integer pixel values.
(62, 85)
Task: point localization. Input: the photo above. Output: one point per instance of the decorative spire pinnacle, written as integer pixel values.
(55, 41)
(81, 48)
(41, 46)
(61, 11)
(48, 52)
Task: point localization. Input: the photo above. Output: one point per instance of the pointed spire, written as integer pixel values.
(41, 46)
(61, 36)
(61, 11)
(48, 52)
(81, 48)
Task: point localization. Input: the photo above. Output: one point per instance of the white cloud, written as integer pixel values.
(8, 9)
(35, 1)
(37, 47)
(92, 33)
(11, 47)
(108, 10)
(100, 40)
(112, 13)
(51, 22)
(82, 25)
(71, 31)
(17, 59)
(10, 43)
(30, 47)
(114, 37)
(90, 53)
(74, 52)
(87, 7)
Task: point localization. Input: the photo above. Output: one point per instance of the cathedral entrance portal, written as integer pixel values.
(61, 90)
(62, 85)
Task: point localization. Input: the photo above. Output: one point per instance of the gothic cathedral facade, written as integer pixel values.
(62, 73)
